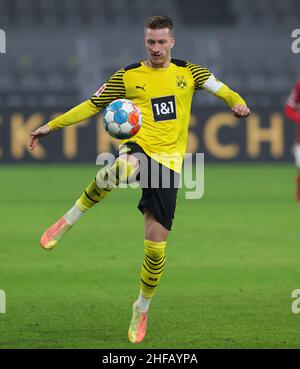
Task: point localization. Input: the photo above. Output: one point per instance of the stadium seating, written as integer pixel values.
(101, 13)
(61, 50)
(266, 12)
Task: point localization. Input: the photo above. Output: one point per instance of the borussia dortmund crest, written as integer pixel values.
(181, 82)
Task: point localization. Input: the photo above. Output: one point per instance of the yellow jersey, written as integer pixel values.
(164, 96)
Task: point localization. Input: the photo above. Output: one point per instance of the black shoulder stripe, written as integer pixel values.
(132, 66)
(179, 63)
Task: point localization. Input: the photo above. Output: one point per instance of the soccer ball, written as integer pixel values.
(122, 119)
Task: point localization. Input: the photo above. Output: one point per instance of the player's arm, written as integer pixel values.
(203, 78)
(80, 112)
(231, 98)
(113, 89)
(290, 110)
(292, 114)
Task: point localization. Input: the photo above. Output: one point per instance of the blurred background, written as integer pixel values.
(58, 53)
(237, 250)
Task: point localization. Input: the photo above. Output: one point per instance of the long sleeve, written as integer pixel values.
(111, 90)
(223, 92)
(80, 112)
(204, 79)
(230, 97)
(200, 74)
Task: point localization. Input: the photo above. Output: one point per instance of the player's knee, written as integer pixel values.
(120, 172)
(154, 231)
(155, 250)
(125, 169)
(102, 179)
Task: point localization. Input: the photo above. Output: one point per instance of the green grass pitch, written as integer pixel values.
(232, 263)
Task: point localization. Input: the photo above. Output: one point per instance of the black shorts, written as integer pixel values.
(156, 198)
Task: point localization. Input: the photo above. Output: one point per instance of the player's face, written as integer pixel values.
(159, 43)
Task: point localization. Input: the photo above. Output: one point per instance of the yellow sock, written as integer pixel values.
(91, 196)
(105, 180)
(153, 266)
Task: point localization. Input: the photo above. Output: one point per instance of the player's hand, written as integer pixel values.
(240, 111)
(38, 133)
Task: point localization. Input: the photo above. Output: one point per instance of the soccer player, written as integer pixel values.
(292, 112)
(163, 89)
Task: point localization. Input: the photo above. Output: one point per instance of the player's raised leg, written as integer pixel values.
(91, 196)
(97, 190)
(151, 272)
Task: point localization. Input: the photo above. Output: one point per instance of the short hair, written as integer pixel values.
(158, 22)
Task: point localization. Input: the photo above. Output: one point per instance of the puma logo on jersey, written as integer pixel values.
(141, 87)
